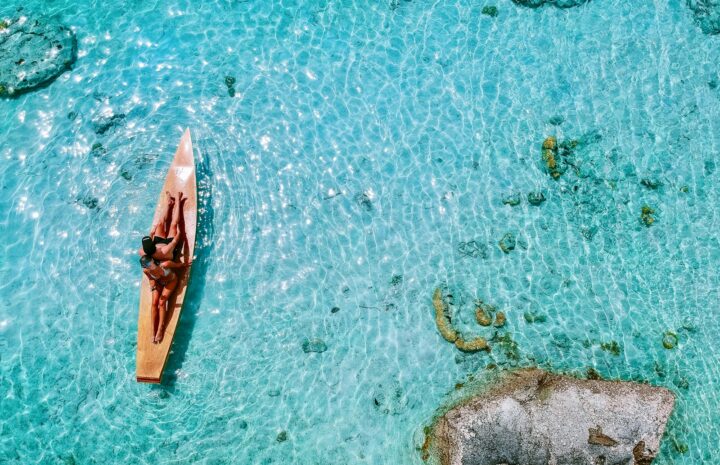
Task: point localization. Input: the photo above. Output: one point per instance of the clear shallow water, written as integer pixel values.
(436, 113)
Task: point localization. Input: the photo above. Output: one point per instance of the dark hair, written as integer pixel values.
(145, 261)
(148, 246)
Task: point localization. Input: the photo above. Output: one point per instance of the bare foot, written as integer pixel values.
(159, 337)
(171, 199)
(155, 341)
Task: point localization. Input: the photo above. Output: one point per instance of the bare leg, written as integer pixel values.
(161, 323)
(173, 232)
(162, 230)
(181, 226)
(154, 312)
(164, 297)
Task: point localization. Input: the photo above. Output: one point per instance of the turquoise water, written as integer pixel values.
(364, 143)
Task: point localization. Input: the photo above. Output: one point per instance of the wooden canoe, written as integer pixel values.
(151, 358)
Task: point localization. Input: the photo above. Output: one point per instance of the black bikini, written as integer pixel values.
(167, 240)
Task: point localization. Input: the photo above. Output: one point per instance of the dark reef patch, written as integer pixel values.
(707, 15)
(490, 10)
(473, 249)
(33, 53)
(103, 124)
(556, 3)
(507, 243)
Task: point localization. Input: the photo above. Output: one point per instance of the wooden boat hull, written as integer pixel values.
(151, 358)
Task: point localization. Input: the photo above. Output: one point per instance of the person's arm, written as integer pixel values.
(154, 228)
(169, 264)
(173, 243)
(151, 279)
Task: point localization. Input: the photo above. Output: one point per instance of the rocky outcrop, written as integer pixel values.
(557, 3)
(707, 14)
(33, 52)
(532, 417)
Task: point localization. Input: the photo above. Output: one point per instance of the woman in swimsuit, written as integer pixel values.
(163, 282)
(165, 239)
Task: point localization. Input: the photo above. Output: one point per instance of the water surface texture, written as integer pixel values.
(364, 146)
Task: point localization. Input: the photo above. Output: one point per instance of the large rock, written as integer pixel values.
(532, 417)
(707, 14)
(33, 52)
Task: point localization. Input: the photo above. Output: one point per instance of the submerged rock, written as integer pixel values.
(390, 399)
(473, 345)
(558, 158)
(556, 120)
(557, 3)
(490, 10)
(550, 157)
(536, 198)
(651, 184)
(589, 232)
(103, 124)
(707, 14)
(611, 347)
(484, 313)
(314, 345)
(97, 150)
(508, 348)
(669, 340)
(513, 200)
(365, 201)
(442, 318)
(89, 201)
(230, 83)
(646, 215)
(534, 317)
(33, 53)
(483, 317)
(472, 249)
(507, 243)
(532, 417)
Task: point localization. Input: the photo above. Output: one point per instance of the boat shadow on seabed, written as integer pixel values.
(204, 245)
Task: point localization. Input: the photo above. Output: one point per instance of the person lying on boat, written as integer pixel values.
(165, 242)
(163, 281)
